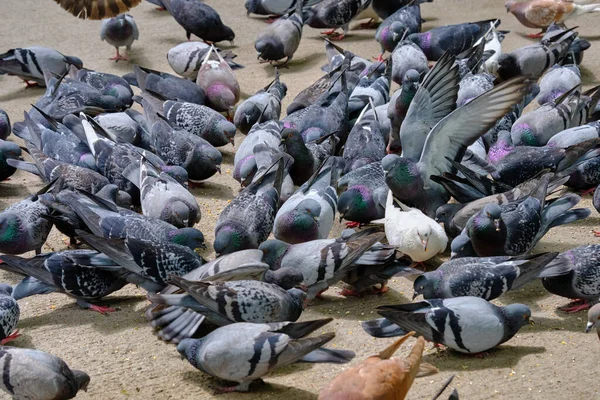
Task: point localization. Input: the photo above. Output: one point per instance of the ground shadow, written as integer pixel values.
(499, 357)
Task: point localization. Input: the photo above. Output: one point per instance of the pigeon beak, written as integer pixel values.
(589, 327)
(425, 244)
(531, 322)
(316, 218)
(415, 295)
(218, 167)
(231, 42)
(232, 141)
(341, 218)
(497, 225)
(303, 287)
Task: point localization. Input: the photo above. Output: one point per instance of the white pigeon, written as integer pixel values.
(412, 232)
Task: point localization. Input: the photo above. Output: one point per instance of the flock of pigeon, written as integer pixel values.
(449, 158)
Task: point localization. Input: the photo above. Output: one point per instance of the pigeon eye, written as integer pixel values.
(290, 136)
(421, 287)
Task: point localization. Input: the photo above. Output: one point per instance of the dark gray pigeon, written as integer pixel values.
(485, 277)
(85, 275)
(334, 14)
(282, 38)
(557, 81)
(287, 345)
(30, 63)
(108, 84)
(385, 8)
(199, 19)
(167, 86)
(264, 105)
(4, 125)
(410, 181)
(366, 194)
(465, 324)
(34, 374)
(405, 57)
(307, 156)
(9, 315)
(365, 144)
(244, 162)
(8, 150)
(583, 280)
(404, 22)
(120, 31)
(275, 8)
(398, 108)
(23, 227)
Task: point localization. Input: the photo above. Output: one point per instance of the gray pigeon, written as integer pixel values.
(310, 212)
(282, 38)
(410, 181)
(385, 8)
(30, 63)
(472, 86)
(244, 162)
(583, 280)
(405, 21)
(186, 58)
(23, 227)
(575, 135)
(219, 82)
(287, 345)
(120, 31)
(368, 90)
(485, 277)
(266, 156)
(322, 262)
(407, 56)
(4, 125)
(247, 221)
(164, 198)
(593, 318)
(264, 105)
(557, 81)
(85, 275)
(121, 126)
(36, 375)
(9, 315)
(275, 7)
(167, 86)
(366, 194)
(199, 19)
(398, 107)
(465, 324)
(108, 84)
(8, 150)
(334, 14)
(201, 121)
(307, 156)
(365, 144)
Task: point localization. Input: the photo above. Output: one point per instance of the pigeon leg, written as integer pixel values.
(351, 224)
(29, 84)
(379, 57)
(370, 24)
(242, 387)
(588, 191)
(329, 32)
(350, 293)
(101, 309)
(119, 57)
(576, 307)
(338, 37)
(272, 18)
(160, 9)
(536, 35)
(195, 185)
(484, 354)
(596, 233)
(10, 337)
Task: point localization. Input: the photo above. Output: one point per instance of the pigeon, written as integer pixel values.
(8, 150)
(9, 315)
(412, 232)
(199, 19)
(307, 156)
(219, 82)
(121, 126)
(310, 212)
(85, 275)
(472, 86)
(230, 342)
(365, 144)
(582, 282)
(366, 194)
(465, 324)
(164, 198)
(97, 9)
(542, 13)
(265, 156)
(248, 219)
(385, 8)
(515, 228)
(282, 38)
(368, 91)
(4, 125)
(201, 121)
(29, 63)
(575, 135)
(264, 105)
(120, 31)
(402, 23)
(593, 318)
(535, 59)
(451, 38)
(244, 162)
(275, 8)
(159, 4)
(334, 14)
(23, 227)
(186, 58)
(166, 86)
(380, 376)
(244, 301)
(576, 49)
(405, 57)
(410, 181)
(179, 147)
(557, 81)
(107, 84)
(485, 277)
(322, 262)
(398, 108)
(36, 375)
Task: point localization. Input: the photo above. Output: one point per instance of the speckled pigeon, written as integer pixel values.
(334, 14)
(9, 315)
(199, 19)
(23, 227)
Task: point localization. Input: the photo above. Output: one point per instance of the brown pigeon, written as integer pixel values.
(97, 9)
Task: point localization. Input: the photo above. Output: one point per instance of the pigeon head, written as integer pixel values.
(285, 277)
(508, 66)
(246, 116)
(123, 93)
(300, 224)
(230, 238)
(74, 61)
(461, 247)
(108, 103)
(517, 316)
(593, 319)
(87, 160)
(203, 162)
(189, 237)
(176, 172)
(188, 349)
(391, 35)
(9, 150)
(221, 97)
(411, 76)
(227, 34)
(354, 203)
(5, 289)
(11, 230)
(299, 297)
(228, 129)
(313, 133)
(124, 199)
(269, 49)
(177, 213)
(245, 170)
(522, 134)
(273, 252)
(253, 7)
(82, 379)
(293, 143)
(424, 233)
(401, 174)
(444, 214)
(426, 285)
